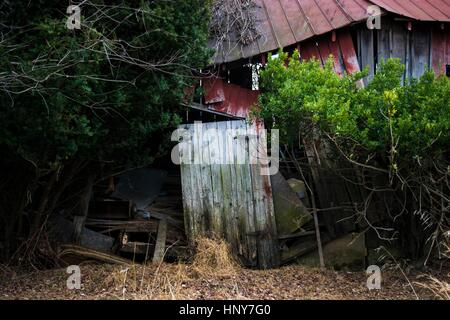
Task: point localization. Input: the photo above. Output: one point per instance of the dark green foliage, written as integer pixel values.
(101, 91)
(76, 103)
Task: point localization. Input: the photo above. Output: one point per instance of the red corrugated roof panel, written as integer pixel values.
(282, 23)
(234, 100)
(424, 10)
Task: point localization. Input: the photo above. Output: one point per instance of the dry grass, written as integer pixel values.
(439, 287)
(213, 275)
(213, 258)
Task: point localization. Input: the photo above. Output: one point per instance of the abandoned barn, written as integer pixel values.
(267, 219)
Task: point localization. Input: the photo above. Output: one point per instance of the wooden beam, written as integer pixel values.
(160, 247)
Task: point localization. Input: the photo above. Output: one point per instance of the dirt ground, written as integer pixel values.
(180, 281)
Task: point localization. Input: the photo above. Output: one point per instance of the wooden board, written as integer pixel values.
(440, 48)
(417, 49)
(160, 247)
(225, 195)
(420, 52)
(366, 52)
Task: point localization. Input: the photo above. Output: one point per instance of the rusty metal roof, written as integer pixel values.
(282, 23)
(423, 10)
(285, 22)
(231, 99)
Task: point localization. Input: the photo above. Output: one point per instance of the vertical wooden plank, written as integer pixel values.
(384, 44)
(439, 46)
(195, 169)
(408, 55)
(184, 150)
(225, 182)
(216, 223)
(270, 223)
(366, 52)
(266, 247)
(160, 247)
(399, 44)
(420, 52)
(250, 228)
(257, 198)
(206, 180)
(231, 167)
(241, 203)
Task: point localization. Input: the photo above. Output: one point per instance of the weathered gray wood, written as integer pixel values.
(228, 197)
(197, 179)
(186, 186)
(241, 201)
(217, 222)
(249, 218)
(384, 43)
(233, 232)
(226, 186)
(268, 203)
(206, 182)
(160, 246)
(366, 52)
(267, 253)
(400, 44)
(420, 53)
(408, 55)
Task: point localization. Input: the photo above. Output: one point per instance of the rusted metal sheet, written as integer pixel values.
(424, 10)
(348, 52)
(224, 193)
(229, 98)
(214, 90)
(282, 23)
(237, 101)
(342, 50)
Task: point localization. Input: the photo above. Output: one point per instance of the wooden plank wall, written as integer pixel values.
(226, 196)
(441, 49)
(422, 46)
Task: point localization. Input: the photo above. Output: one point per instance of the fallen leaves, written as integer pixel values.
(180, 281)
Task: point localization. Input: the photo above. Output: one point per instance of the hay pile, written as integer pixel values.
(213, 258)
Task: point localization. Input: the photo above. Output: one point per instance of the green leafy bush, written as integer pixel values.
(394, 138)
(410, 120)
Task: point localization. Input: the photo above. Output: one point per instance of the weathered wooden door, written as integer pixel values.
(225, 193)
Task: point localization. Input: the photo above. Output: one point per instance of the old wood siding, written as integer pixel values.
(423, 45)
(224, 193)
(441, 49)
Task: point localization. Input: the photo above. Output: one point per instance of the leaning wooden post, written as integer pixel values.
(160, 247)
(316, 223)
(308, 184)
(319, 240)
